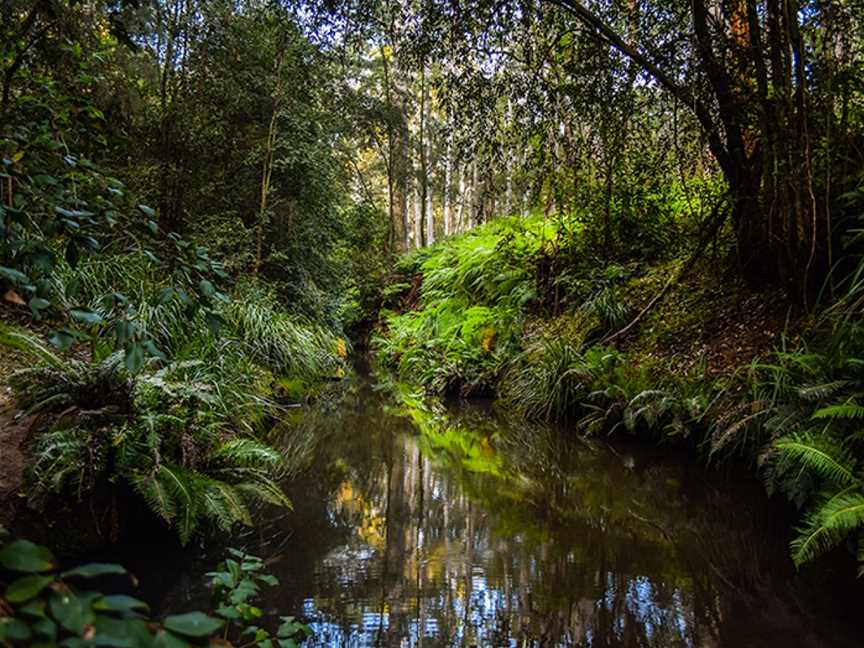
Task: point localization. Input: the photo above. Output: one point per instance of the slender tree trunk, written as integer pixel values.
(445, 198)
(266, 175)
(395, 236)
(424, 178)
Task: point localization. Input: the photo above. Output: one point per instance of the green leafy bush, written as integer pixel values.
(475, 292)
(183, 437)
(235, 585)
(43, 605)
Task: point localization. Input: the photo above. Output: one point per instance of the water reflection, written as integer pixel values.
(421, 527)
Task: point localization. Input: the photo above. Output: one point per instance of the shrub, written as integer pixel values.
(181, 437)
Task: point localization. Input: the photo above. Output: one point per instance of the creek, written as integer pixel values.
(417, 526)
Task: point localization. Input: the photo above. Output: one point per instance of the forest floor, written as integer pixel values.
(709, 321)
(13, 434)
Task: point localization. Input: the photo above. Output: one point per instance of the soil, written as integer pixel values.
(13, 460)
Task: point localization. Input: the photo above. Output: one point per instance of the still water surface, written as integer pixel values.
(422, 527)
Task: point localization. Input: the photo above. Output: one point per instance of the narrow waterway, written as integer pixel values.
(417, 526)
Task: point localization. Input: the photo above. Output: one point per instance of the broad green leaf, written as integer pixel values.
(93, 570)
(120, 603)
(193, 624)
(121, 633)
(24, 556)
(86, 315)
(46, 628)
(27, 587)
(34, 608)
(149, 211)
(61, 340)
(153, 350)
(207, 288)
(134, 358)
(39, 303)
(15, 276)
(73, 213)
(228, 612)
(71, 611)
(88, 242)
(14, 629)
(166, 639)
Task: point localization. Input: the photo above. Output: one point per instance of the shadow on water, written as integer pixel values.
(420, 526)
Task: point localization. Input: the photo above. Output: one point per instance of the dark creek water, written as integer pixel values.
(416, 527)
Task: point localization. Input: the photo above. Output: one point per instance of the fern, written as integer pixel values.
(822, 390)
(181, 486)
(827, 459)
(247, 452)
(830, 522)
(848, 411)
(154, 493)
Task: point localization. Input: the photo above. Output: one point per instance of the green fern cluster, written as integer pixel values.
(804, 417)
(475, 293)
(183, 436)
(252, 325)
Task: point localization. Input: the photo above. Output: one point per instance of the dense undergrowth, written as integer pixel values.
(45, 605)
(727, 370)
(187, 431)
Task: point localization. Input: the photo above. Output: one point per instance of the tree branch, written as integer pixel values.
(608, 33)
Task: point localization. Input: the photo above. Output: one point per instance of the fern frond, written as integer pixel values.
(842, 411)
(248, 452)
(223, 503)
(828, 459)
(180, 485)
(821, 390)
(265, 490)
(828, 525)
(31, 346)
(154, 493)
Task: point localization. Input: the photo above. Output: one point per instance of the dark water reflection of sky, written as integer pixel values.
(420, 527)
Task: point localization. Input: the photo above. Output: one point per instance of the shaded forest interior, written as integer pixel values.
(627, 220)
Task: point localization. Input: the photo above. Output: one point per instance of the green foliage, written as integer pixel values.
(61, 206)
(42, 605)
(181, 436)
(235, 585)
(475, 291)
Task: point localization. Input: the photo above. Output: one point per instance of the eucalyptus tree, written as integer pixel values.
(769, 82)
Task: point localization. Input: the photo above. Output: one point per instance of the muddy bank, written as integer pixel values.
(13, 436)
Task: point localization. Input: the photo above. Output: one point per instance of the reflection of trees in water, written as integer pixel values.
(426, 528)
(497, 533)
